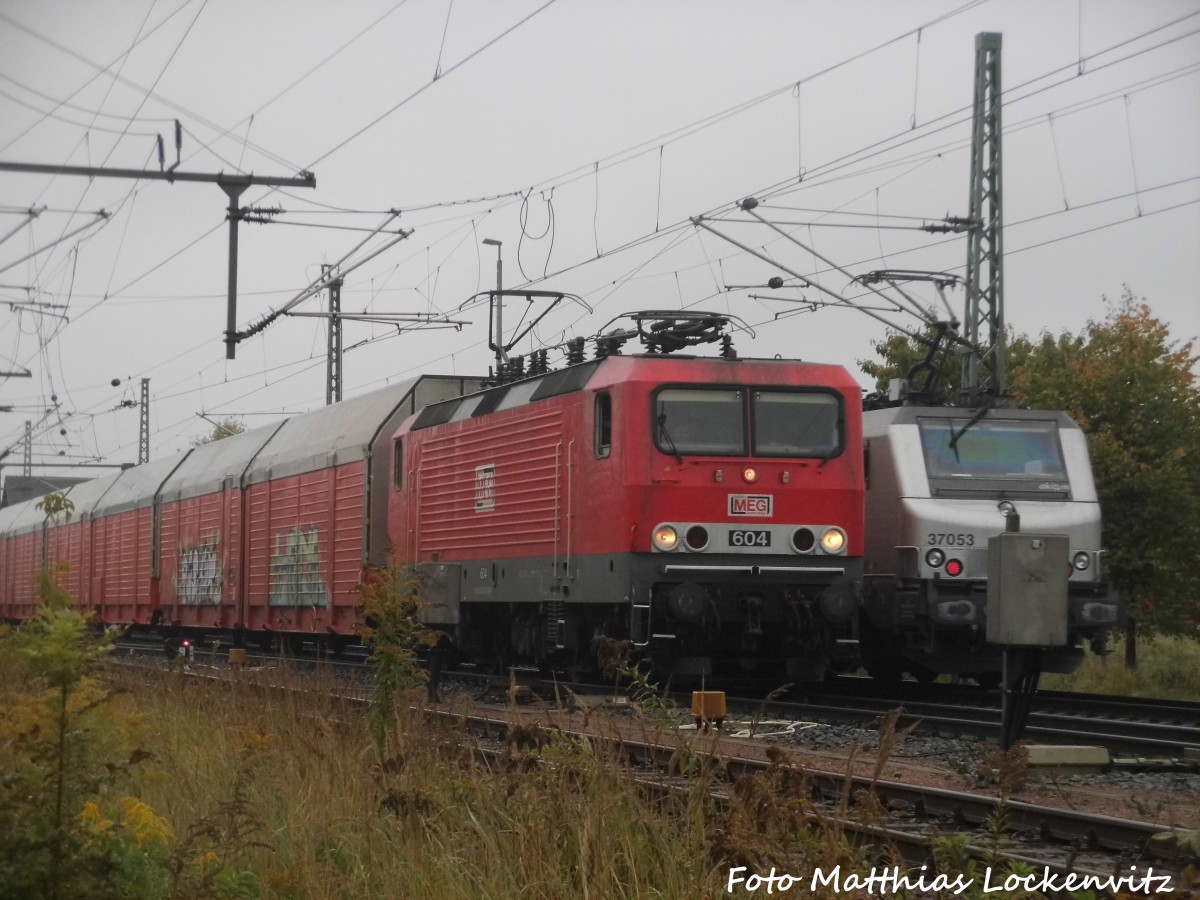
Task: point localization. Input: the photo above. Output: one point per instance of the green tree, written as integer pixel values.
(227, 427)
(1133, 391)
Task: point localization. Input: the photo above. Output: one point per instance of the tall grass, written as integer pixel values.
(286, 796)
(1167, 667)
(295, 783)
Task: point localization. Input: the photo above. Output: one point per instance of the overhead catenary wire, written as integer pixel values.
(605, 255)
(457, 65)
(761, 193)
(100, 70)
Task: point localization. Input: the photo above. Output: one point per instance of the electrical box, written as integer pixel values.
(1027, 589)
(440, 590)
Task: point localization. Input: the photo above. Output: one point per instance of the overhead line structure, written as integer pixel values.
(983, 373)
(948, 119)
(333, 372)
(983, 365)
(851, 159)
(144, 423)
(100, 217)
(748, 206)
(635, 243)
(327, 276)
(232, 185)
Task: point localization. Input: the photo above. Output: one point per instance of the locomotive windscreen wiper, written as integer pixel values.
(954, 437)
(662, 430)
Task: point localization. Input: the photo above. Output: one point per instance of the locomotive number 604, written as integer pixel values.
(744, 537)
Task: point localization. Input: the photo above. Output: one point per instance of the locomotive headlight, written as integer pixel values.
(750, 474)
(1081, 561)
(833, 540)
(934, 558)
(665, 537)
(696, 537)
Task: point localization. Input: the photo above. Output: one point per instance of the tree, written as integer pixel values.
(1133, 391)
(227, 427)
(56, 504)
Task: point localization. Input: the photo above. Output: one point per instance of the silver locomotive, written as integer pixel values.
(940, 482)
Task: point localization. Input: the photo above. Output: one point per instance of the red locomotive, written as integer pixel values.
(709, 510)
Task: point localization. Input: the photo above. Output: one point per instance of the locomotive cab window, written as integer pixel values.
(993, 449)
(398, 464)
(700, 421)
(603, 439)
(797, 423)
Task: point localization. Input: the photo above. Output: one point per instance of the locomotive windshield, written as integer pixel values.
(1006, 449)
(794, 423)
(707, 421)
(712, 422)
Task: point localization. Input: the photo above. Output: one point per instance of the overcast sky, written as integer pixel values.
(584, 135)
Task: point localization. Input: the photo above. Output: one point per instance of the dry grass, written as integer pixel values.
(296, 784)
(285, 796)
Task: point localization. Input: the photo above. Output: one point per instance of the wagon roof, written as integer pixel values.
(21, 517)
(85, 496)
(135, 488)
(345, 432)
(24, 517)
(213, 466)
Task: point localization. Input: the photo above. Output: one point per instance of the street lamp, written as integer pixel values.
(501, 355)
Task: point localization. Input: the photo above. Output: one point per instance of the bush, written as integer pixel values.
(66, 751)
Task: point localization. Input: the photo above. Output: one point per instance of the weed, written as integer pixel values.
(1168, 667)
(1006, 770)
(393, 634)
(761, 711)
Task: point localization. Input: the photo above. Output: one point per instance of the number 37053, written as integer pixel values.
(951, 539)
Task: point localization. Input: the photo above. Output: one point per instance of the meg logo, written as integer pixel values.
(761, 505)
(485, 487)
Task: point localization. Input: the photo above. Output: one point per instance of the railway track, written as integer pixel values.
(898, 818)
(1123, 725)
(911, 819)
(1141, 727)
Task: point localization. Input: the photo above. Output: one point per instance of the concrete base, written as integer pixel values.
(1059, 759)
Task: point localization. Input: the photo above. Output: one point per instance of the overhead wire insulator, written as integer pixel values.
(575, 351)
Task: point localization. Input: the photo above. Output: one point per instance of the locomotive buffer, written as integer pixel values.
(1026, 611)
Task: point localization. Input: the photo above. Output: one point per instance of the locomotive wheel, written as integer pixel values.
(885, 671)
(923, 674)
